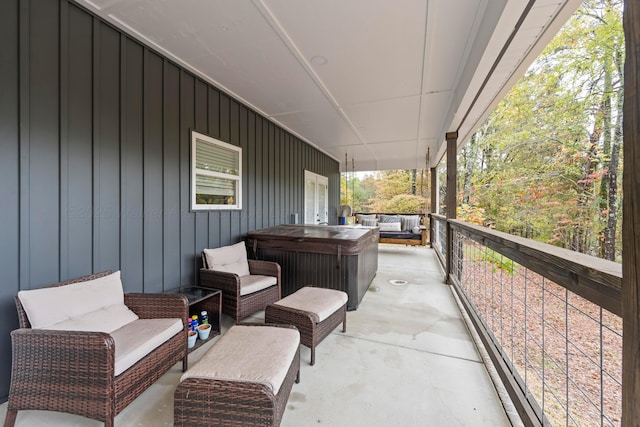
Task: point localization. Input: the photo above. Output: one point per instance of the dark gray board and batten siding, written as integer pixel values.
(94, 159)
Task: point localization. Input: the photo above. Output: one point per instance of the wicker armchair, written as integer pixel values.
(235, 302)
(73, 371)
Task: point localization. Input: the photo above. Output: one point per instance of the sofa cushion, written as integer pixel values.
(321, 301)
(409, 222)
(390, 226)
(106, 319)
(362, 217)
(228, 259)
(255, 283)
(369, 222)
(256, 354)
(390, 218)
(135, 340)
(48, 306)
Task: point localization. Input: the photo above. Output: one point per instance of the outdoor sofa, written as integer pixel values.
(87, 348)
(396, 229)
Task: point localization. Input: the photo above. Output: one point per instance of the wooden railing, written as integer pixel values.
(549, 317)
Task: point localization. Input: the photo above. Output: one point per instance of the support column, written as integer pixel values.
(452, 175)
(434, 202)
(631, 219)
(434, 190)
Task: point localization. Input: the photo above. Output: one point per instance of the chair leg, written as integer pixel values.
(10, 418)
(344, 324)
(185, 363)
(298, 377)
(109, 422)
(313, 355)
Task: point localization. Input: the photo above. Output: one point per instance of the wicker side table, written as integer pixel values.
(202, 299)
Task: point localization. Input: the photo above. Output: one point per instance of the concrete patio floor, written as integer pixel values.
(407, 359)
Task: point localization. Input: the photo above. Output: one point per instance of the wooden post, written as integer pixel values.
(631, 220)
(452, 175)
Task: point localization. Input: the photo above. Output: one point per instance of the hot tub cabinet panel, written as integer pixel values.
(334, 257)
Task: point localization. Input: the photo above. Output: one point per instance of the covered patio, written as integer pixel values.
(99, 102)
(407, 358)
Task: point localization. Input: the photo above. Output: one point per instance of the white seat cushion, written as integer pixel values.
(321, 301)
(254, 283)
(256, 354)
(138, 338)
(229, 259)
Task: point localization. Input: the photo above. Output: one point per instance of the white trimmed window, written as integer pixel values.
(216, 174)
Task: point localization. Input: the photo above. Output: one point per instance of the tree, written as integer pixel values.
(545, 164)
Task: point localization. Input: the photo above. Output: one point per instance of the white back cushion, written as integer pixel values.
(48, 306)
(390, 226)
(229, 259)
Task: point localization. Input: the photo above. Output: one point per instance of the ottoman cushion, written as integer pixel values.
(259, 354)
(320, 301)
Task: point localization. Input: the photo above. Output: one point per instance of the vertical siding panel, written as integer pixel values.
(171, 175)
(202, 125)
(284, 172)
(44, 146)
(78, 210)
(106, 174)
(24, 142)
(187, 224)
(234, 138)
(153, 160)
(63, 103)
(271, 175)
(259, 189)
(202, 107)
(225, 134)
(250, 174)
(243, 216)
(132, 166)
(259, 143)
(277, 194)
(9, 184)
(214, 129)
(214, 113)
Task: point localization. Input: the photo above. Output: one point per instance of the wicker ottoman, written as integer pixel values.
(314, 311)
(244, 379)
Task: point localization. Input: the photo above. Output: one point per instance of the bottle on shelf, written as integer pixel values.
(204, 317)
(194, 322)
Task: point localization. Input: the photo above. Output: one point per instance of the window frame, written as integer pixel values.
(198, 136)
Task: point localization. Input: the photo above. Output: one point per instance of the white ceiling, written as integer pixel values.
(378, 80)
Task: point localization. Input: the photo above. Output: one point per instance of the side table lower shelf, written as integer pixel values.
(209, 300)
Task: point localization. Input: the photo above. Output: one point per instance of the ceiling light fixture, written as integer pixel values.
(319, 60)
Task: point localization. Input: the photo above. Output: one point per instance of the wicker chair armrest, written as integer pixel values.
(156, 306)
(228, 282)
(45, 356)
(264, 268)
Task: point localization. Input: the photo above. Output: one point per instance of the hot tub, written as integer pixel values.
(334, 257)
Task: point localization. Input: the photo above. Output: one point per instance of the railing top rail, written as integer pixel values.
(595, 279)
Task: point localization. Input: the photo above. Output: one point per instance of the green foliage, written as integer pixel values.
(540, 164)
(386, 191)
(401, 203)
(498, 261)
